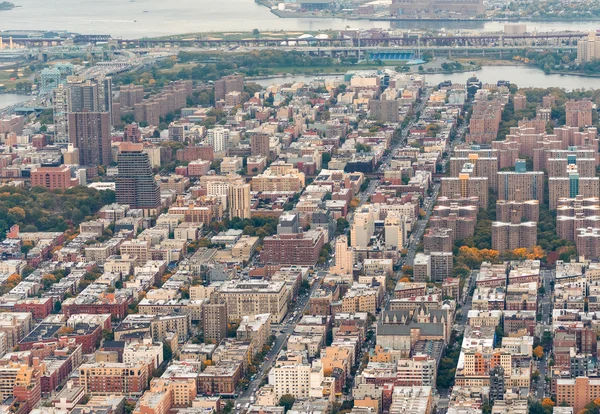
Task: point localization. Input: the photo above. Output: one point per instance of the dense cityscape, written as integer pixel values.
(261, 221)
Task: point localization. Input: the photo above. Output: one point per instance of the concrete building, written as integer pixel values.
(363, 226)
(384, 110)
(239, 200)
(572, 186)
(53, 178)
(136, 186)
(292, 374)
(465, 185)
(89, 132)
(579, 113)
(344, 258)
(395, 230)
(218, 138)
(61, 106)
(412, 400)
(521, 184)
(482, 166)
(422, 268)
(438, 240)
(255, 298)
(260, 145)
(514, 234)
(577, 392)
(442, 265)
(214, 321)
(293, 249)
(227, 84)
(109, 378)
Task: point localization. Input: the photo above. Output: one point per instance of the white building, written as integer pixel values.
(219, 138)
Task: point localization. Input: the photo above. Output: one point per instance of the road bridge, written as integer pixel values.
(534, 39)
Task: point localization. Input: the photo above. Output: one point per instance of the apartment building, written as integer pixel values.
(572, 186)
(247, 298)
(520, 184)
(107, 378)
(465, 185)
(513, 235)
(579, 113)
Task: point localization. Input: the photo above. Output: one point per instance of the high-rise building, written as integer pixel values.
(485, 121)
(572, 186)
(363, 226)
(90, 133)
(259, 145)
(132, 133)
(386, 111)
(227, 84)
(106, 97)
(395, 230)
(466, 185)
(577, 392)
(514, 234)
(438, 240)
(129, 95)
(442, 265)
(93, 95)
(483, 166)
(588, 49)
(218, 138)
(135, 184)
(521, 185)
(239, 200)
(344, 257)
(292, 374)
(214, 320)
(578, 113)
(573, 214)
(520, 102)
(61, 106)
(497, 383)
(422, 268)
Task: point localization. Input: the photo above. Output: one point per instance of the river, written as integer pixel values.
(523, 76)
(142, 18)
(8, 99)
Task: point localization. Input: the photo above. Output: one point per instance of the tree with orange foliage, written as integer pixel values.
(13, 280)
(405, 280)
(536, 253)
(472, 257)
(538, 352)
(354, 203)
(65, 330)
(547, 403)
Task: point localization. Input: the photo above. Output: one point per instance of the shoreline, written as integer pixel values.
(291, 75)
(293, 15)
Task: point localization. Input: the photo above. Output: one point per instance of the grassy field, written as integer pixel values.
(7, 81)
(177, 67)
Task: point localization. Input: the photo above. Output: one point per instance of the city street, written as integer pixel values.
(287, 326)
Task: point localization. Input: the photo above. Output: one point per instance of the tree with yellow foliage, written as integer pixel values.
(472, 257)
(354, 203)
(536, 253)
(538, 352)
